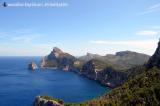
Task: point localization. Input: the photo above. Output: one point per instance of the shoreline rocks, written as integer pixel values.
(47, 101)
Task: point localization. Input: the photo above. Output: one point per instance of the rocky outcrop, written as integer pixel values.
(58, 58)
(155, 59)
(92, 67)
(47, 101)
(111, 77)
(32, 66)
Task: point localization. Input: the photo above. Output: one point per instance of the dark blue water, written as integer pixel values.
(19, 86)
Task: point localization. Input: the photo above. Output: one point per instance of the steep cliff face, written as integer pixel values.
(58, 58)
(100, 71)
(155, 59)
(92, 67)
(111, 77)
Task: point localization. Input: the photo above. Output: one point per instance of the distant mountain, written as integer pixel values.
(126, 59)
(89, 56)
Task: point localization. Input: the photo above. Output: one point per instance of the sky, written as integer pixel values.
(81, 26)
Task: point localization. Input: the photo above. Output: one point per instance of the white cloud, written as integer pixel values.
(155, 6)
(24, 39)
(130, 42)
(147, 33)
(151, 9)
(2, 34)
(143, 46)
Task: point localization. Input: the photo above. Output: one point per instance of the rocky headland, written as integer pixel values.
(58, 59)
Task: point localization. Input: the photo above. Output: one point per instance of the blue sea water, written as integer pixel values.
(19, 86)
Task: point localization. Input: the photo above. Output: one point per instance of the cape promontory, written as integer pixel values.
(59, 59)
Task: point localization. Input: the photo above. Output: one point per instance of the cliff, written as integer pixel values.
(155, 58)
(103, 73)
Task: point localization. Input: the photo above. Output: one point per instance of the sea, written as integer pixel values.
(19, 86)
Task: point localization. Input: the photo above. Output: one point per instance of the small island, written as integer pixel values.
(32, 66)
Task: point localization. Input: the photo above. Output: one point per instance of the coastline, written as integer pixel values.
(77, 71)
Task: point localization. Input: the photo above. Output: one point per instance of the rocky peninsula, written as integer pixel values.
(109, 70)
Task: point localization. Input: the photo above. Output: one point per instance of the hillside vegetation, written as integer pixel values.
(143, 90)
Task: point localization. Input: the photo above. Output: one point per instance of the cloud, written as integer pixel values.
(147, 33)
(3, 34)
(155, 6)
(151, 9)
(139, 43)
(24, 39)
(142, 46)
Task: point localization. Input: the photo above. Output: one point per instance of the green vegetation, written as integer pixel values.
(142, 90)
